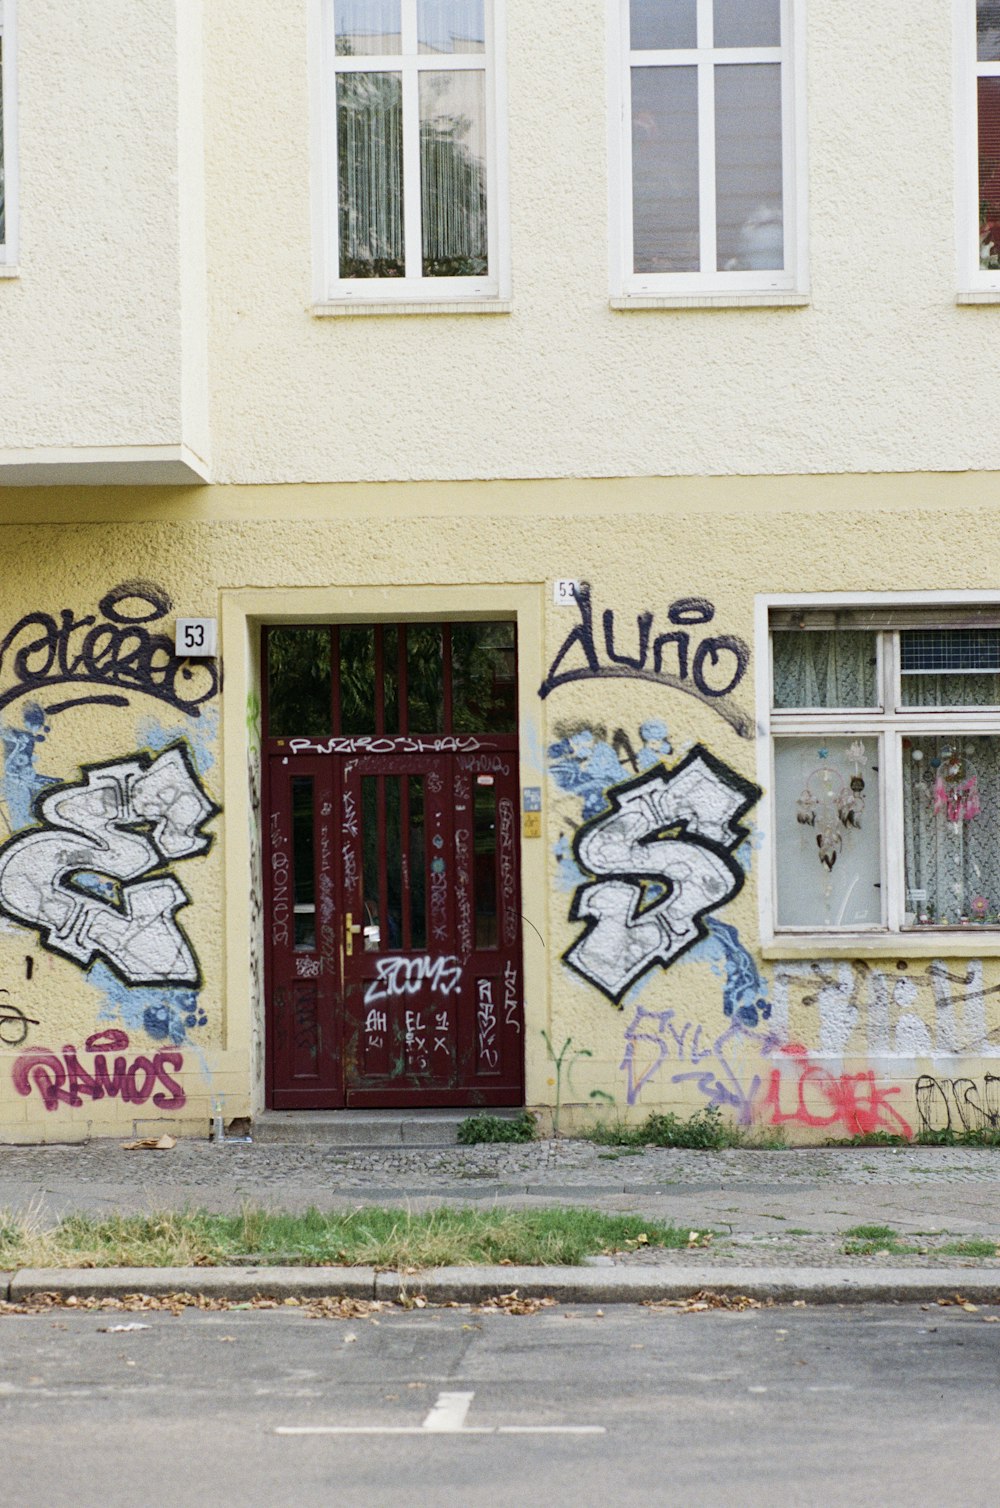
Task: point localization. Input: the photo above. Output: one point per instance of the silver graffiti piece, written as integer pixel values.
(662, 858)
(77, 878)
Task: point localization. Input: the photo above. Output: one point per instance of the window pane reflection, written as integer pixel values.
(450, 26)
(424, 678)
(748, 168)
(298, 682)
(484, 678)
(663, 23)
(357, 680)
(665, 196)
(370, 174)
(748, 23)
(367, 27)
(453, 173)
(418, 864)
(484, 838)
(303, 863)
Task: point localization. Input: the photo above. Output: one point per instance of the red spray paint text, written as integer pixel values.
(63, 1080)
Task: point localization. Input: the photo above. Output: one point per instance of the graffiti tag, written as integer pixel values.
(958, 1104)
(399, 976)
(714, 670)
(117, 650)
(78, 877)
(663, 857)
(61, 1079)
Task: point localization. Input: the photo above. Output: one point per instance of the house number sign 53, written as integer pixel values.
(196, 638)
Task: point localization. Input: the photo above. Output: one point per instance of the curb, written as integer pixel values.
(464, 1285)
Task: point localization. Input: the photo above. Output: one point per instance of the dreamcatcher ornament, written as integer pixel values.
(832, 804)
(956, 789)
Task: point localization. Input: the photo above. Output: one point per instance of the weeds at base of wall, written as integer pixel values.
(706, 1130)
(981, 1136)
(494, 1128)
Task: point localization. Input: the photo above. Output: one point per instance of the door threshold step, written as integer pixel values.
(371, 1128)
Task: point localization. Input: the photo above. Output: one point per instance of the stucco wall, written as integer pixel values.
(91, 329)
(877, 373)
(818, 1047)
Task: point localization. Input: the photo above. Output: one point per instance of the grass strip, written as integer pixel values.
(367, 1237)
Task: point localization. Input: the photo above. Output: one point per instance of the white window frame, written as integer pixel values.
(8, 249)
(890, 723)
(972, 278)
(787, 285)
(330, 289)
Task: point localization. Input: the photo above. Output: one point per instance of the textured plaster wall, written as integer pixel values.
(849, 1045)
(878, 373)
(91, 330)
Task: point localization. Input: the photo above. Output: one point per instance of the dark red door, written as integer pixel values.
(394, 951)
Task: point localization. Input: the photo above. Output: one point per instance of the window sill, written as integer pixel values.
(338, 308)
(979, 296)
(711, 301)
(961, 942)
(9, 271)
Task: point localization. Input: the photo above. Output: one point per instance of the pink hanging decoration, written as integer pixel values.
(959, 800)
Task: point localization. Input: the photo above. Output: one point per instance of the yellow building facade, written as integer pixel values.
(591, 693)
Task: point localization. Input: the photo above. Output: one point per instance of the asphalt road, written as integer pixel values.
(861, 1406)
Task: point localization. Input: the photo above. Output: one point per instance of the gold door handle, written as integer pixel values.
(349, 931)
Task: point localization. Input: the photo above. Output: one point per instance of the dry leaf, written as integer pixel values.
(701, 1302)
(512, 1303)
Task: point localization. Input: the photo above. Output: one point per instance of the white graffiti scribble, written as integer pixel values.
(663, 857)
(408, 975)
(508, 883)
(122, 821)
(510, 996)
(369, 743)
(308, 968)
(486, 1023)
(486, 764)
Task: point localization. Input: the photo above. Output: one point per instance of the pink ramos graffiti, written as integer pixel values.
(63, 1080)
(853, 1100)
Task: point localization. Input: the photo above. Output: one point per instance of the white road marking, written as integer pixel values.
(447, 1417)
(448, 1414)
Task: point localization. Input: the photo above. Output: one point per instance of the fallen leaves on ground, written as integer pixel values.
(704, 1300)
(513, 1303)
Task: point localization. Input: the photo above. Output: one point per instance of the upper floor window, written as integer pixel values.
(7, 159)
(707, 191)
(978, 48)
(410, 150)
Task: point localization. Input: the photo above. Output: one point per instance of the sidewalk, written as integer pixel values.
(779, 1217)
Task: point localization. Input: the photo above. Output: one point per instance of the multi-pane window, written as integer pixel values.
(410, 149)
(885, 769)
(707, 163)
(978, 135)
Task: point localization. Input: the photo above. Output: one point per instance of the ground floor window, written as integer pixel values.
(883, 746)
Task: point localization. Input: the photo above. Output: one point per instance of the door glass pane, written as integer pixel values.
(950, 667)
(988, 31)
(484, 678)
(827, 832)
(303, 863)
(390, 679)
(663, 23)
(418, 865)
(453, 173)
(450, 26)
(424, 678)
(837, 668)
(357, 679)
(299, 697)
(367, 27)
(371, 922)
(951, 830)
(989, 173)
(748, 167)
(370, 174)
(484, 839)
(393, 859)
(665, 204)
(748, 23)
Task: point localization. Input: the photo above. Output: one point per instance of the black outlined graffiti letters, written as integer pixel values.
(115, 650)
(708, 668)
(663, 858)
(90, 878)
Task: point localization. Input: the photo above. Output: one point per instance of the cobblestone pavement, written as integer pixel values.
(767, 1208)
